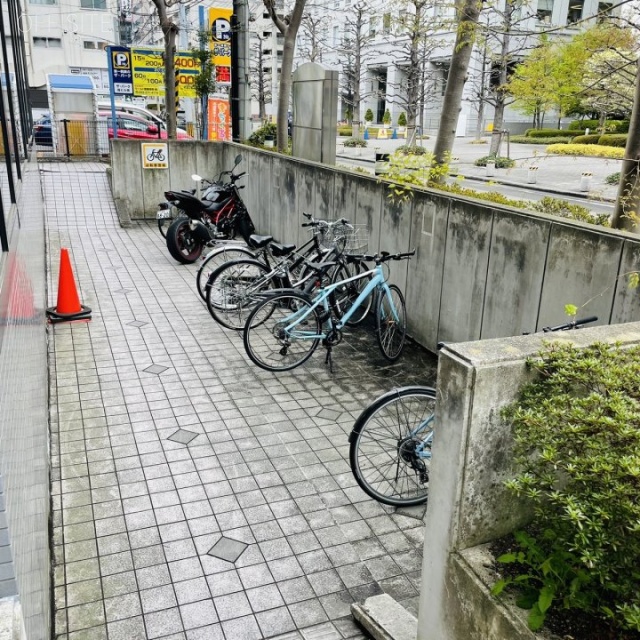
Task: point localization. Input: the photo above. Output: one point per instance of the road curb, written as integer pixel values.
(385, 619)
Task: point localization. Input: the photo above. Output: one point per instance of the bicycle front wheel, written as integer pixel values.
(390, 446)
(216, 259)
(282, 332)
(234, 289)
(391, 322)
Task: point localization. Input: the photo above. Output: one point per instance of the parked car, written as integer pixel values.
(135, 110)
(42, 132)
(134, 127)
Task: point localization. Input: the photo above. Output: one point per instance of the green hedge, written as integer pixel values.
(592, 138)
(500, 161)
(596, 150)
(612, 126)
(551, 133)
(613, 140)
(552, 140)
(345, 131)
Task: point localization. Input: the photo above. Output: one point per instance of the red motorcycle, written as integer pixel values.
(203, 223)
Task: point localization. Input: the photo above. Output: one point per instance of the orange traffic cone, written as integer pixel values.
(68, 307)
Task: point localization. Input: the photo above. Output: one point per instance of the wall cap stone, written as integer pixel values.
(385, 619)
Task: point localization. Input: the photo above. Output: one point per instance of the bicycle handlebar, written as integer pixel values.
(384, 256)
(574, 324)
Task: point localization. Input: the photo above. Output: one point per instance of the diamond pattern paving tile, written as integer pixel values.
(156, 368)
(137, 323)
(227, 549)
(183, 436)
(125, 291)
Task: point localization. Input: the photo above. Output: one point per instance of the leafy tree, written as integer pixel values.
(205, 81)
(368, 116)
(386, 118)
(260, 79)
(402, 119)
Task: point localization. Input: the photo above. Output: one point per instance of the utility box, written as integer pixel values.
(315, 113)
(74, 116)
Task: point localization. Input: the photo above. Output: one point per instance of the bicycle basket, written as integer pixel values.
(344, 238)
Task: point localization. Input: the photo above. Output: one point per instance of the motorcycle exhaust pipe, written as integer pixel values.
(200, 231)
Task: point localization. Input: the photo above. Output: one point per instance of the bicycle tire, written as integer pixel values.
(381, 440)
(391, 331)
(233, 290)
(264, 341)
(347, 295)
(216, 259)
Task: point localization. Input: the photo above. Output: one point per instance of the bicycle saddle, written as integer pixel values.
(257, 242)
(281, 250)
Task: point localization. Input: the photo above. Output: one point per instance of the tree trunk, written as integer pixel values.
(468, 12)
(169, 30)
(284, 91)
(289, 29)
(627, 207)
(501, 95)
(357, 71)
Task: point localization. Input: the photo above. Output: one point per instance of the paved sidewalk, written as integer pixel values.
(556, 174)
(195, 496)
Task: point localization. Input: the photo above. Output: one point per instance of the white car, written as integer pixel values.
(141, 112)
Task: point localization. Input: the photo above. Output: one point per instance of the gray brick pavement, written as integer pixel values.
(194, 495)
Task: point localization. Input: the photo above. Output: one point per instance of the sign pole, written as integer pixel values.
(204, 100)
(112, 95)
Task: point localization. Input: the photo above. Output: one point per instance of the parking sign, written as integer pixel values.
(121, 70)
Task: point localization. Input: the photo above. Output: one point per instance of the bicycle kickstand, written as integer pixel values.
(329, 360)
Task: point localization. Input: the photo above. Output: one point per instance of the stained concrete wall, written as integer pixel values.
(24, 436)
(480, 270)
(468, 502)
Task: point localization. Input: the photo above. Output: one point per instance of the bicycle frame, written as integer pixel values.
(422, 450)
(322, 298)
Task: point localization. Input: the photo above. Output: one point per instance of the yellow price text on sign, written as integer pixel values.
(220, 35)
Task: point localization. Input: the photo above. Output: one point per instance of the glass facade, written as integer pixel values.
(15, 115)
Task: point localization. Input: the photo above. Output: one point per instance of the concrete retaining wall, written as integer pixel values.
(468, 502)
(480, 271)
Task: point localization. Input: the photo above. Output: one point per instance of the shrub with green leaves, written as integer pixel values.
(592, 138)
(500, 161)
(355, 142)
(576, 429)
(586, 150)
(414, 149)
(614, 140)
(266, 130)
(386, 117)
(612, 126)
(564, 209)
(345, 131)
(368, 116)
(554, 140)
(402, 119)
(613, 178)
(550, 133)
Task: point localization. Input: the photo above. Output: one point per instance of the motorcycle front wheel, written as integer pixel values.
(182, 242)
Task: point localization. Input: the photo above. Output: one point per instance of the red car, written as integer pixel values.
(133, 127)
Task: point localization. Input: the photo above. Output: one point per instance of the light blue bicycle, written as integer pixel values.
(284, 330)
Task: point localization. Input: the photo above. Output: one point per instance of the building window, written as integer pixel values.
(604, 10)
(545, 9)
(89, 44)
(266, 34)
(266, 15)
(50, 43)
(336, 36)
(386, 23)
(373, 25)
(94, 4)
(575, 11)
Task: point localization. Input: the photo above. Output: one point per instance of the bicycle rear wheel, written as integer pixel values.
(390, 446)
(278, 334)
(234, 288)
(215, 259)
(391, 322)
